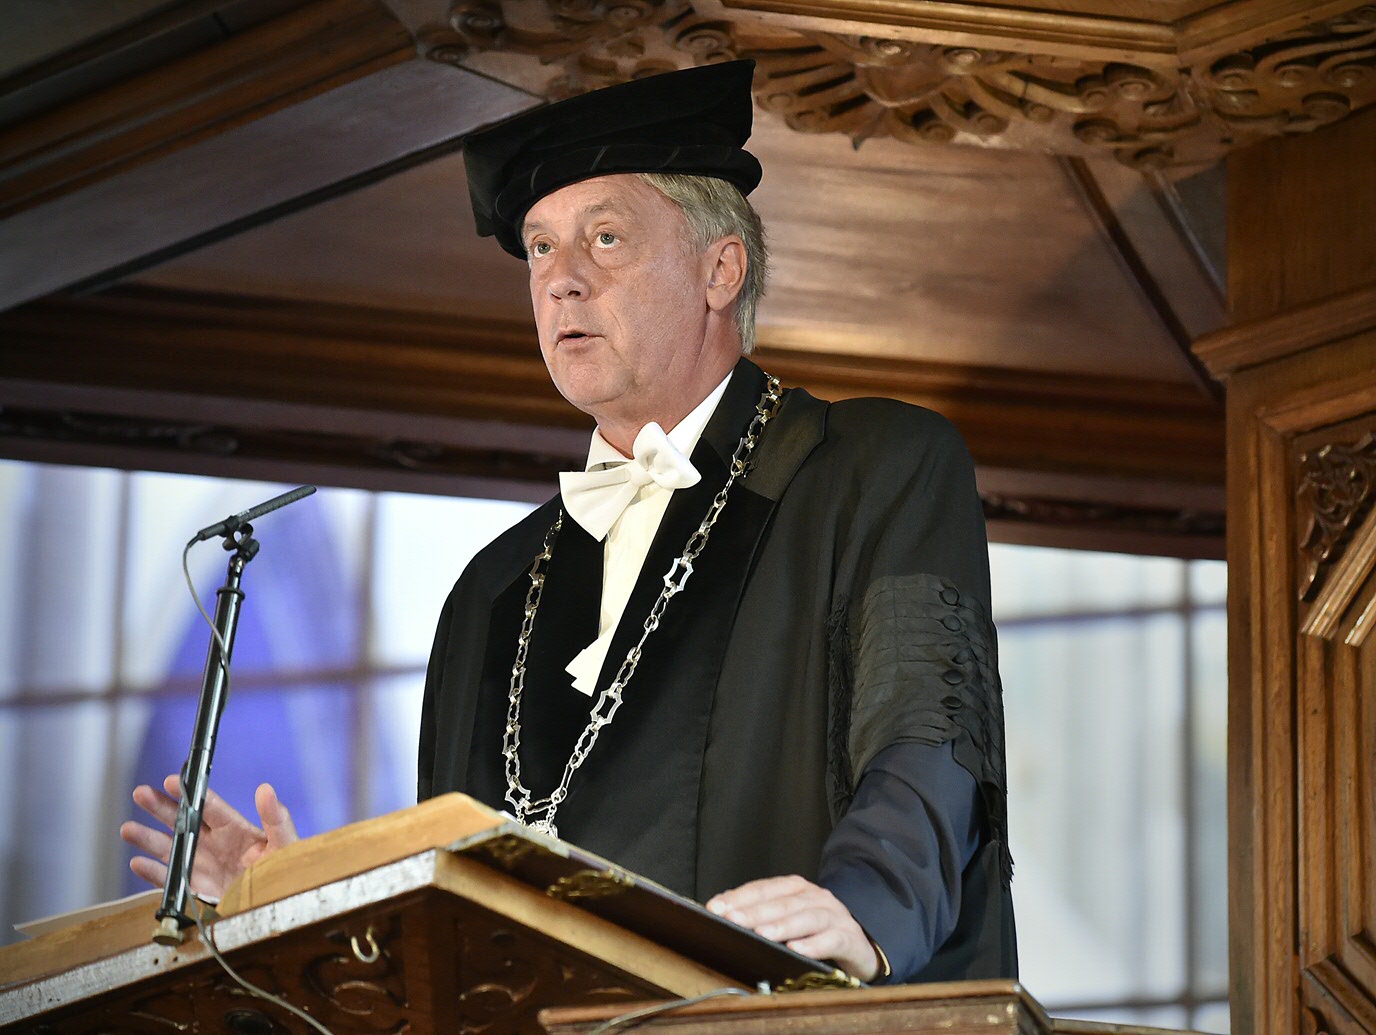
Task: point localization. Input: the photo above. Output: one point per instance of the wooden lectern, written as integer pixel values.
(451, 918)
(445, 917)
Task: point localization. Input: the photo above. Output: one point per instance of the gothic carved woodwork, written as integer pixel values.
(1144, 114)
(368, 972)
(1300, 365)
(315, 970)
(588, 884)
(1336, 493)
(366, 984)
(508, 978)
(1308, 735)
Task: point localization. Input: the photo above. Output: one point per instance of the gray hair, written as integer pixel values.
(715, 209)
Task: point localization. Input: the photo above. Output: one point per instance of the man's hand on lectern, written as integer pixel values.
(808, 919)
(228, 844)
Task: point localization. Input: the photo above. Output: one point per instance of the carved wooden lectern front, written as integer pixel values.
(449, 918)
(445, 917)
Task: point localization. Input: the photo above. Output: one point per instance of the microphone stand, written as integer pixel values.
(195, 774)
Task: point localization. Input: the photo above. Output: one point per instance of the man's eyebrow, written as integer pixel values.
(597, 209)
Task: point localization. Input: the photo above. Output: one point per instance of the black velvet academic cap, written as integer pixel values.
(694, 121)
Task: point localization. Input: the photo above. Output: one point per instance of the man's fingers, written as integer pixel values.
(146, 839)
(801, 921)
(766, 913)
(151, 870)
(156, 804)
(824, 945)
(763, 901)
(216, 812)
(755, 892)
(275, 817)
(804, 916)
(228, 840)
(220, 813)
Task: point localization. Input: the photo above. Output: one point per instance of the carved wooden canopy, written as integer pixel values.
(1151, 93)
(280, 179)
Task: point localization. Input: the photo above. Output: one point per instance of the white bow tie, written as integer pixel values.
(595, 499)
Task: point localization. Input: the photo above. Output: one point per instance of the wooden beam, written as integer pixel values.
(324, 94)
(1092, 427)
(1148, 34)
(389, 399)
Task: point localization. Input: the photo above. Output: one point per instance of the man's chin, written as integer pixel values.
(590, 394)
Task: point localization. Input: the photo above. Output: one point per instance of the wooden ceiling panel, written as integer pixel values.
(406, 243)
(39, 29)
(948, 254)
(1042, 296)
(953, 254)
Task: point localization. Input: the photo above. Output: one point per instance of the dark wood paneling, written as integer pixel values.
(388, 399)
(270, 116)
(1301, 213)
(1301, 371)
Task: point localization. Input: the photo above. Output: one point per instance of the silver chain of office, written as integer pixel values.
(538, 813)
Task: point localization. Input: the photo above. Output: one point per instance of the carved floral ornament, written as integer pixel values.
(1337, 489)
(932, 94)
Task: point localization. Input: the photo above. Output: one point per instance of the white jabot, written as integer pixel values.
(623, 502)
(596, 498)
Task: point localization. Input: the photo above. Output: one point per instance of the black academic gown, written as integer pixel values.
(835, 625)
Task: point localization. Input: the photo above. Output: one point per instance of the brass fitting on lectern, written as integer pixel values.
(168, 932)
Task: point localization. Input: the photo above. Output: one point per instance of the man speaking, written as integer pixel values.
(747, 652)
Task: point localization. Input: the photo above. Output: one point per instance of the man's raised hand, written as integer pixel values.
(228, 844)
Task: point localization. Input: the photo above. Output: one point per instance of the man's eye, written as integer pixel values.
(539, 248)
(606, 238)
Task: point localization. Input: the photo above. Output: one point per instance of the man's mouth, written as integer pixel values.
(573, 336)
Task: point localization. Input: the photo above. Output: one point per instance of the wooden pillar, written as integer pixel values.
(1300, 366)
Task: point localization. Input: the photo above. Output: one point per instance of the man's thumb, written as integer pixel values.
(275, 817)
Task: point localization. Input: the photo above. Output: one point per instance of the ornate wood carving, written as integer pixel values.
(371, 992)
(1158, 33)
(588, 884)
(1337, 489)
(318, 973)
(443, 963)
(508, 979)
(936, 93)
(1301, 578)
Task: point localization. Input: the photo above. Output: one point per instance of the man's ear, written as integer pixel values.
(726, 267)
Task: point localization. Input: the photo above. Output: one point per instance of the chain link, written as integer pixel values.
(538, 813)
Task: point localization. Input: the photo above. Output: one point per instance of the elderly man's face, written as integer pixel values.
(619, 295)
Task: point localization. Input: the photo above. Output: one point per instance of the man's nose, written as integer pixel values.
(568, 275)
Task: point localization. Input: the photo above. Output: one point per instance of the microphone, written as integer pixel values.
(234, 522)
